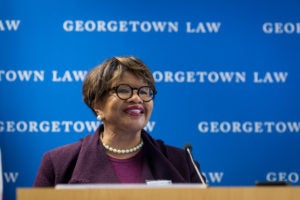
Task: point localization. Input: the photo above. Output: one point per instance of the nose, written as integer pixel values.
(135, 97)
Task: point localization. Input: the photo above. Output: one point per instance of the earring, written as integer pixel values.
(99, 117)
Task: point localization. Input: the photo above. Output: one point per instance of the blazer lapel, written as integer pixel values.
(93, 165)
(160, 166)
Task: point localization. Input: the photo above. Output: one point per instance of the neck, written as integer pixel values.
(120, 138)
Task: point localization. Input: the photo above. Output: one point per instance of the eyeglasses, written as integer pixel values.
(124, 92)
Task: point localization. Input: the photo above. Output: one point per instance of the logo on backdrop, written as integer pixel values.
(290, 177)
(214, 177)
(9, 25)
(281, 28)
(248, 127)
(56, 126)
(10, 177)
(140, 26)
(268, 77)
(219, 77)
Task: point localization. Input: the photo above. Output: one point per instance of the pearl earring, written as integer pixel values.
(99, 118)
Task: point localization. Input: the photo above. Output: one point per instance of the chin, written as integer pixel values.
(136, 125)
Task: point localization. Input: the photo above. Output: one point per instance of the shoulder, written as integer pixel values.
(57, 165)
(66, 153)
(64, 150)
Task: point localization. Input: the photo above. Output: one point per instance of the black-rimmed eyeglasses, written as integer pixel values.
(125, 91)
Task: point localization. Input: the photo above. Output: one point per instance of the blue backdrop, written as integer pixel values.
(227, 74)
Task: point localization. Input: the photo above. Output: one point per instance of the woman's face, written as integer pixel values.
(125, 115)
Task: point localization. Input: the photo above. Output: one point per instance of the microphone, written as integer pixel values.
(188, 149)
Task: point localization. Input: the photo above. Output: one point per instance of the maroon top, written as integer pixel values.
(86, 161)
(128, 170)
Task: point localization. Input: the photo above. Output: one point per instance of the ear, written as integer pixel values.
(98, 111)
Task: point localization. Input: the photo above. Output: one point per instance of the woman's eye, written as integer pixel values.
(123, 91)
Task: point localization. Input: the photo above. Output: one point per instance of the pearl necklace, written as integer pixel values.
(123, 151)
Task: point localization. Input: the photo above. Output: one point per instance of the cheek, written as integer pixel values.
(111, 105)
(149, 107)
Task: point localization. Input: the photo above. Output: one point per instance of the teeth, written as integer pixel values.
(135, 111)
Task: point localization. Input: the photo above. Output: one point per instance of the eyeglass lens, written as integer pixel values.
(125, 92)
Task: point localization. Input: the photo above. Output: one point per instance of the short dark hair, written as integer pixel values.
(99, 80)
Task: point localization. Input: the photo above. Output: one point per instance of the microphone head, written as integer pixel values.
(187, 146)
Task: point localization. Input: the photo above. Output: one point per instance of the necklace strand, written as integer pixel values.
(123, 151)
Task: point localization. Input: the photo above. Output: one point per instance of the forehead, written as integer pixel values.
(130, 79)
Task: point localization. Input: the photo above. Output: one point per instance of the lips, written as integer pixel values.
(135, 111)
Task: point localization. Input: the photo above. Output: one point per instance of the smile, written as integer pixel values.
(135, 111)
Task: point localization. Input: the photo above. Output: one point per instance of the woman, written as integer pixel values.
(120, 92)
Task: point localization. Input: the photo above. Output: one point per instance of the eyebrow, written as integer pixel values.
(121, 83)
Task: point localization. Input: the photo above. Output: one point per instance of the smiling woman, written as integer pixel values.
(120, 92)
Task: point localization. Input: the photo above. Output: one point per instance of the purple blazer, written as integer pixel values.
(86, 162)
